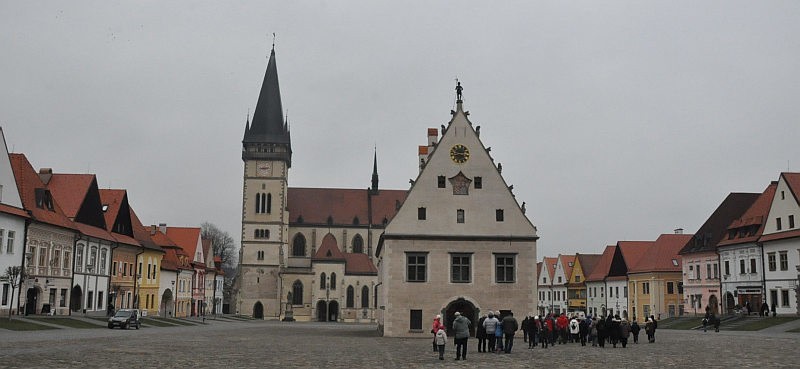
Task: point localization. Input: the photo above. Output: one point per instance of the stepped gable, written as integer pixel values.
(715, 227)
(662, 256)
(342, 206)
(750, 225)
(28, 184)
(601, 269)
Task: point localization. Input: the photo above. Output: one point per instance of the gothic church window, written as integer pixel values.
(297, 293)
(350, 297)
(269, 203)
(333, 281)
(364, 297)
(299, 245)
(258, 203)
(358, 244)
(323, 281)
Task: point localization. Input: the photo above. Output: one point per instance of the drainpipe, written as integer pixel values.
(763, 277)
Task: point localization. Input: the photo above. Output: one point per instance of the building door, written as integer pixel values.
(730, 303)
(713, 304)
(31, 301)
(76, 298)
(322, 311)
(167, 303)
(466, 308)
(258, 310)
(333, 311)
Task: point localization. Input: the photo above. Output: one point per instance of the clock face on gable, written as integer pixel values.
(459, 154)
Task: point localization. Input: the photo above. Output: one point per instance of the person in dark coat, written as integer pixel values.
(546, 332)
(715, 321)
(461, 332)
(624, 332)
(635, 330)
(510, 326)
(525, 328)
(480, 334)
(655, 327)
(614, 330)
(583, 330)
(601, 332)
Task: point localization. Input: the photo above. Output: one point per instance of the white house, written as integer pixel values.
(12, 230)
(781, 242)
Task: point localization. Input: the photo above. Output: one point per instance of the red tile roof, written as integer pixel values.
(71, 190)
(633, 251)
(539, 270)
(588, 262)
(715, 228)
(27, 183)
(185, 238)
(793, 180)
(359, 264)
(566, 260)
(13, 210)
(329, 250)
(662, 256)
(551, 266)
(315, 205)
(600, 271)
(752, 219)
(113, 199)
(781, 235)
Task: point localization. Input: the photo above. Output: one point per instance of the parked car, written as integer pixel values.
(125, 318)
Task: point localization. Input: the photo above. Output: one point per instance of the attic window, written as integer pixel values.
(328, 254)
(570, 263)
(330, 220)
(105, 207)
(675, 262)
(300, 219)
(355, 220)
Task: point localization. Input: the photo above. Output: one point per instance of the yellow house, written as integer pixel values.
(576, 284)
(655, 280)
(149, 268)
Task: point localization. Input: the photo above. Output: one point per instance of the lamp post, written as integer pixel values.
(86, 287)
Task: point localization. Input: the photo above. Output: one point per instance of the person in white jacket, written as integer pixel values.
(490, 324)
(574, 329)
(441, 340)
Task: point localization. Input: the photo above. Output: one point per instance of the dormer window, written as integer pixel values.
(674, 262)
(105, 208)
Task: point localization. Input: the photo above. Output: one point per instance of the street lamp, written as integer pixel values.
(86, 287)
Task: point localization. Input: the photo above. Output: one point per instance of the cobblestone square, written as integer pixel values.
(258, 344)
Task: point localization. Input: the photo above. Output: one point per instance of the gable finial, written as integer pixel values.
(458, 90)
(273, 40)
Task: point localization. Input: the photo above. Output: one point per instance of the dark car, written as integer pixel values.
(125, 318)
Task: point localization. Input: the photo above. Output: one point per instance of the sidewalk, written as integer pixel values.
(782, 328)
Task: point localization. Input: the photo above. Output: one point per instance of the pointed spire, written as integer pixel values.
(375, 171)
(247, 124)
(268, 122)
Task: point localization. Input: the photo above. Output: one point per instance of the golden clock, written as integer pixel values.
(459, 154)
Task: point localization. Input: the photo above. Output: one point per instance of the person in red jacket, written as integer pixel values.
(437, 324)
(562, 323)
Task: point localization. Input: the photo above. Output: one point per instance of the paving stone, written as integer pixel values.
(259, 344)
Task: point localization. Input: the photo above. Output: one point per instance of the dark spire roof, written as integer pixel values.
(268, 125)
(375, 171)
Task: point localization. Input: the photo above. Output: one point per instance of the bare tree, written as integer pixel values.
(224, 247)
(14, 274)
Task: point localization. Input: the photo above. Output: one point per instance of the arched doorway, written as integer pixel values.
(466, 308)
(713, 303)
(31, 300)
(730, 302)
(333, 311)
(167, 303)
(76, 299)
(258, 310)
(322, 311)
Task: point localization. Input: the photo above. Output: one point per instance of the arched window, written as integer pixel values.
(297, 293)
(258, 203)
(299, 245)
(333, 281)
(263, 203)
(358, 244)
(350, 297)
(79, 257)
(364, 297)
(255, 234)
(269, 203)
(323, 281)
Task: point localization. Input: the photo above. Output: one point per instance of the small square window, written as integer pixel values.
(498, 215)
(460, 216)
(441, 181)
(791, 221)
(778, 223)
(478, 182)
(421, 213)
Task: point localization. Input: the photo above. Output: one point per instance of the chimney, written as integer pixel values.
(433, 136)
(45, 174)
(678, 230)
(162, 227)
(423, 157)
(153, 229)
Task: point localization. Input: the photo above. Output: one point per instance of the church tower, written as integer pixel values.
(267, 156)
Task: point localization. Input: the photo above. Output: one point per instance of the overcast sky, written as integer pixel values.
(613, 120)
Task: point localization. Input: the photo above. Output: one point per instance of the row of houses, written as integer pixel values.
(744, 258)
(83, 250)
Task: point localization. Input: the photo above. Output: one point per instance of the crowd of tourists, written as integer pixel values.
(495, 334)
